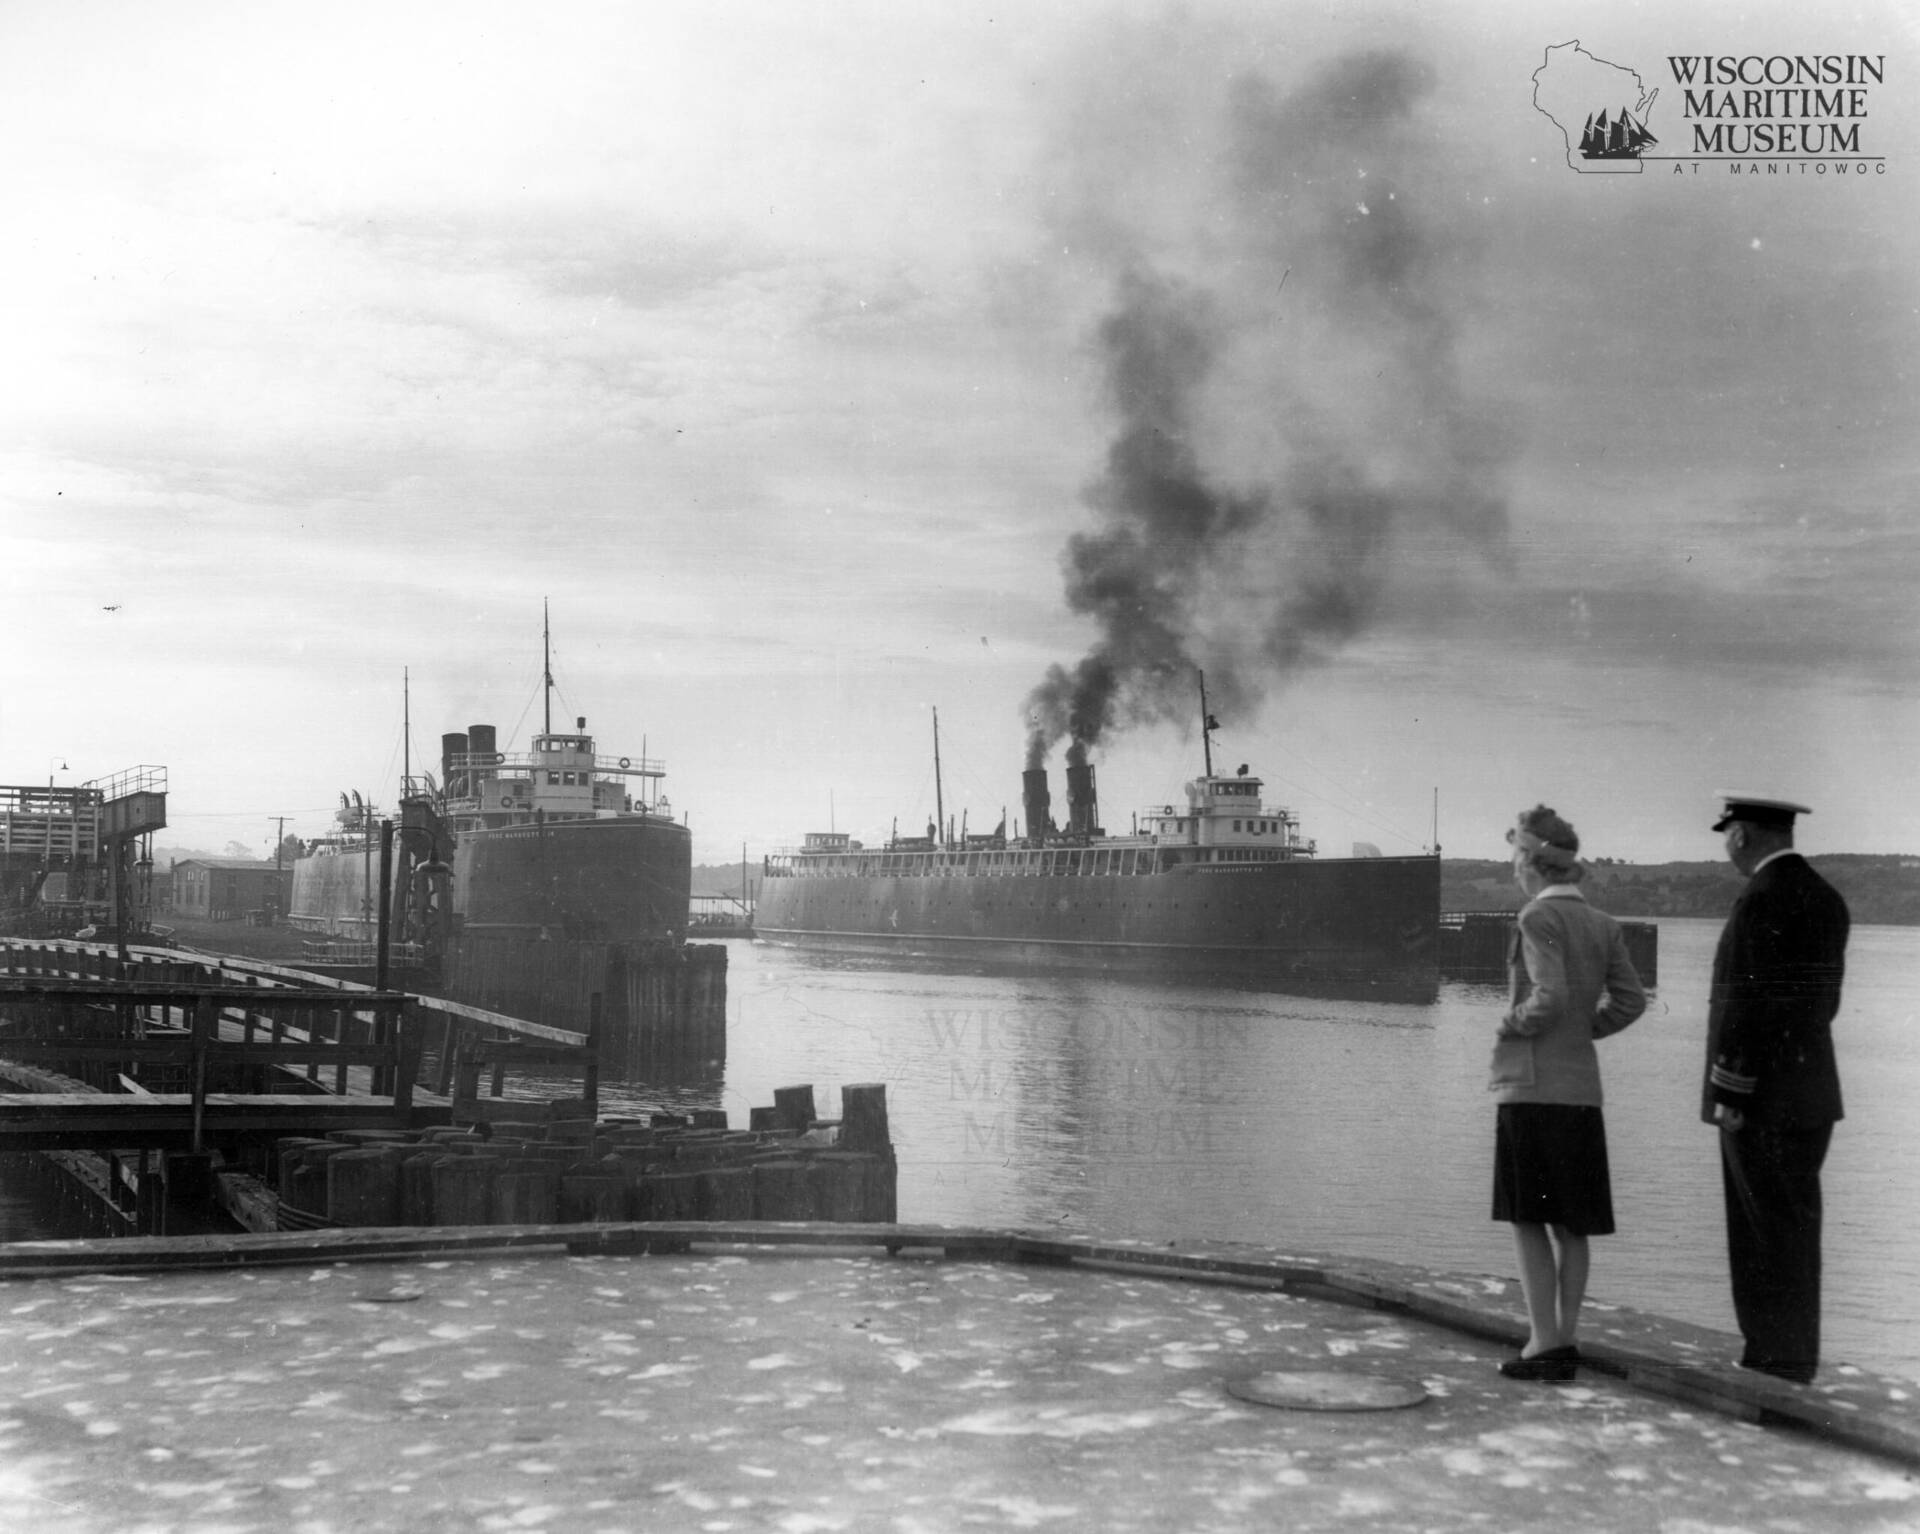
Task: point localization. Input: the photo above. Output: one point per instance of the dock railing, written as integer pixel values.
(160, 1037)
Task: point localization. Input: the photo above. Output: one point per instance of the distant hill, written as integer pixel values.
(1881, 889)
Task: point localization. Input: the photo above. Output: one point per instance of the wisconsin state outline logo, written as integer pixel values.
(1601, 110)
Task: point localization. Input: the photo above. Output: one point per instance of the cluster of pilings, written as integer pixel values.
(787, 1166)
(663, 1007)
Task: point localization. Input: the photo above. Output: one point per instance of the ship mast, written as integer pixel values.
(939, 805)
(546, 665)
(1207, 725)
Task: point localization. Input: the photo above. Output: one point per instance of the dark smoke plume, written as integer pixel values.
(1368, 437)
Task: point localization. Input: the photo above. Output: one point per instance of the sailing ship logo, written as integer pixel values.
(1574, 87)
(1623, 137)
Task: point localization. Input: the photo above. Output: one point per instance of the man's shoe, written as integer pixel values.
(1795, 1374)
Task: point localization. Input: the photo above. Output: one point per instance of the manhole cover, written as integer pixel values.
(1327, 1390)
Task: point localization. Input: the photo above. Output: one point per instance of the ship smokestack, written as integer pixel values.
(1083, 804)
(452, 745)
(1039, 802)
(480, 744)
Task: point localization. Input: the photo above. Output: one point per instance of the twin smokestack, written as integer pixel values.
(1083, 804)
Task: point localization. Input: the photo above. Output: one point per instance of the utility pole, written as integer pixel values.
(279, 841)
(939, 805)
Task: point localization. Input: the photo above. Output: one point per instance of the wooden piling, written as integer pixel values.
(363, 1186)
(837, 1184)
(793, 1106)
(527, 1195)
(416, 1186)
(670, 1196)
(307, 1187)
(726, 1193)
(863, 1119)
(782, 1191)
(463, 1190)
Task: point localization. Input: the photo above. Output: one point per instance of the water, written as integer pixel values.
(1184, 1113)
(1175, 1112)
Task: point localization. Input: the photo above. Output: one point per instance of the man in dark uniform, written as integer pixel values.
(1772, 1086)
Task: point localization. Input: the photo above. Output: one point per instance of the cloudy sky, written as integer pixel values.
(827, 365)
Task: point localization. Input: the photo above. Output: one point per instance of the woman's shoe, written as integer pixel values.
(1556, 1366)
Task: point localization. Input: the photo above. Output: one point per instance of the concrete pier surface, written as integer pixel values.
(355, 1381)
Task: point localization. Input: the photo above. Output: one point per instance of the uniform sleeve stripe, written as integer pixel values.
(1733, 1081)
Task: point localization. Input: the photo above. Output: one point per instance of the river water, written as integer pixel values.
(1178, 1112)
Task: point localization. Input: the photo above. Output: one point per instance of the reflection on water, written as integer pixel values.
(1169, 1112)
(1172, 1112)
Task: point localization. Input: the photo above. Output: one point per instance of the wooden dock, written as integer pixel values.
(1473, 947)
(150, 1059)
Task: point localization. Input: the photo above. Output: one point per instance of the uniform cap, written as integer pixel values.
(1757, 811)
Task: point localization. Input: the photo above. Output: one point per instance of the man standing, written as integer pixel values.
(1772, 1086)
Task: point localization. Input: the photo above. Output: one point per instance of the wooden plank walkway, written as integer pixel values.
(158, 1020)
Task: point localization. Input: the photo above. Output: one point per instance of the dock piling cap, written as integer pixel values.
(1756, 810)
(1327, 1390)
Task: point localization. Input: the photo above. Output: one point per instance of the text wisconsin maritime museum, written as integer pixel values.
(1777, 104)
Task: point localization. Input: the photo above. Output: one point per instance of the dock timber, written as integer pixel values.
(164, 1066)
(1473, 947)
(156, 1086)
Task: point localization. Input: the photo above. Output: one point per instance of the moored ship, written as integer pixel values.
(336, 876)
(557, 842)
(1223, 887)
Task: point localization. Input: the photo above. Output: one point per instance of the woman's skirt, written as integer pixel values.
(1550, 1167)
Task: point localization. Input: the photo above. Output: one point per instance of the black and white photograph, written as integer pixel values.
(1126, 764)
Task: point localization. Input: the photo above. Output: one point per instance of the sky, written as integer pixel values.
(824, 368)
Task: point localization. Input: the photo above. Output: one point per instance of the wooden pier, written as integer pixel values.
(1473, 947)
(719, 916)
(153, 1086)
(162, 1065)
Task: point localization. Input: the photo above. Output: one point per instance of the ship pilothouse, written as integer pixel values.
(560, 778)
(1227, 822)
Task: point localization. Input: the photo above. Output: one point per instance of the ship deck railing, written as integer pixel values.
(359, 951)
(515, 763)
(1030, 862)
(470, 807)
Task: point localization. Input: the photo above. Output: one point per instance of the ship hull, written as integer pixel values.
(617, 880)
(1363, 926)
(330, 894)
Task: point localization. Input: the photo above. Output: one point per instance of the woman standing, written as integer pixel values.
(1572, 983)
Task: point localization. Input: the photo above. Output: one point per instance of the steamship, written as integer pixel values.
(561, 841)
(558, 841)
(1223, 887)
